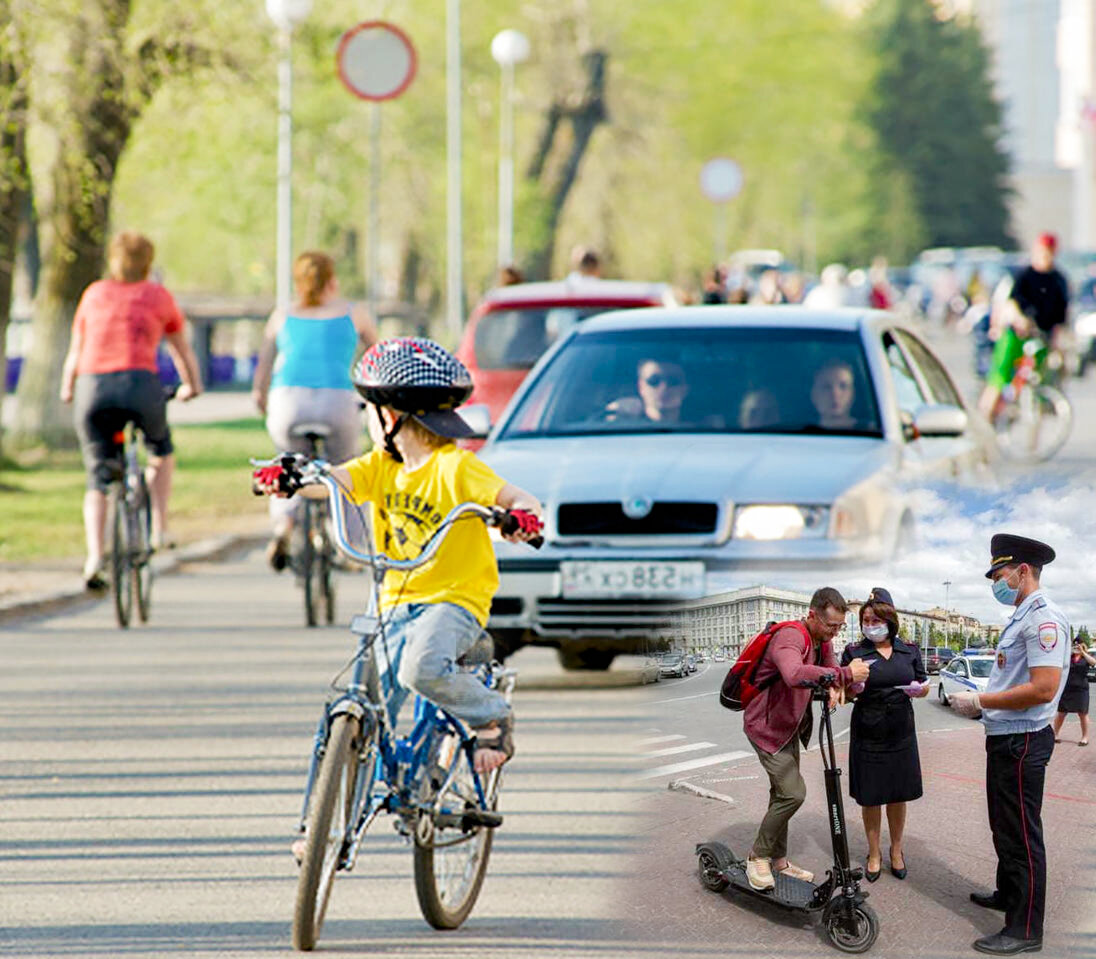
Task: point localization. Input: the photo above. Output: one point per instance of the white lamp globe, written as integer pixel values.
(286, 14)
(510, 47)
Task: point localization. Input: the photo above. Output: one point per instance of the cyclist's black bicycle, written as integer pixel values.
(131, 529)
(360, 768)
(313, 556)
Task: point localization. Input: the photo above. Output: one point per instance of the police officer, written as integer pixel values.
(1017, 708)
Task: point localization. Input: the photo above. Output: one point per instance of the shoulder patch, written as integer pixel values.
(1048, 636)
(1001, 659)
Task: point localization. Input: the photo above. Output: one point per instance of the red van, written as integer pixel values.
(513, 325)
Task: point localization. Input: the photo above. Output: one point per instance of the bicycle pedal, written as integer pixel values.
(469, 819)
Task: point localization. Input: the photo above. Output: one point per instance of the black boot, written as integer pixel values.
(1000, 944)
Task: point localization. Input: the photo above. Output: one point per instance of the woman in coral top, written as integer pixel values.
(110, 376)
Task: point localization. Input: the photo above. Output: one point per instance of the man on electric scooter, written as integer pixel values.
(779, 718)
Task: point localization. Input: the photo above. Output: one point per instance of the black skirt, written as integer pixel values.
(884, 765)
(1075, 695)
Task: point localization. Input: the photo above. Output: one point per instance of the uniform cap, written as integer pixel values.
(1007, 549)
(880, 595)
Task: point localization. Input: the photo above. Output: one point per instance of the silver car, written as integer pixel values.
(673, 447)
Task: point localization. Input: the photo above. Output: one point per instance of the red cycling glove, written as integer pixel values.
(527, 522)
(277, 475)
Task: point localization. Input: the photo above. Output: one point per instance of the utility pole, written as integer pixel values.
(947, 615)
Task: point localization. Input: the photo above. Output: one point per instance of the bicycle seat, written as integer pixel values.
(309, 430)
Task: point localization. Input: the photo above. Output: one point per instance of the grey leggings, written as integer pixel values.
(289, 406)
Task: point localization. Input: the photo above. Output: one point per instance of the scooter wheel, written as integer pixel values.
(851, 929)
(714, 861)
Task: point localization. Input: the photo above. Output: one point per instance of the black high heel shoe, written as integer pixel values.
(868, 874)
(899, 873)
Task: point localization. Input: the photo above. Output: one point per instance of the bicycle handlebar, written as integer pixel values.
(311, 472)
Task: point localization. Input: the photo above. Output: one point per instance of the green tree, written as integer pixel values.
(934, 114)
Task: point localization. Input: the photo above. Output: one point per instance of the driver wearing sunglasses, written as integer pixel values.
(662, 388)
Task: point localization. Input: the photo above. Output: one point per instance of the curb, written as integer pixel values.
(54, 601)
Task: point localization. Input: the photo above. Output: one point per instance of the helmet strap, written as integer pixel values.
(390, 435)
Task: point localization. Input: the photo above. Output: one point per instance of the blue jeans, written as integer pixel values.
(419, 651)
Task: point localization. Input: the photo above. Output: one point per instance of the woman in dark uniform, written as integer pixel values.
(884, 766)
(1075, 695)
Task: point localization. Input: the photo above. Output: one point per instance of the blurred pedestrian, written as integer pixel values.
(510, 275)
(303, 376)
(832, 290)
(1075, 695)
(884, 765)
(715, 289)
(881, 294)
(1017, 707)
(110, 375)
(585, 264)
(769, 292)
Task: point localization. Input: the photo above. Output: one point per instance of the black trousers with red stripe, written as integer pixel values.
(1015, 769)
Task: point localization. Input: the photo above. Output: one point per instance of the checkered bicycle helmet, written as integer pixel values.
(418, 378)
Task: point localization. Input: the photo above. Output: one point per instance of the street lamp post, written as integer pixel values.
(454, 273)
(286, 14)
(509, 47)
(947, 616)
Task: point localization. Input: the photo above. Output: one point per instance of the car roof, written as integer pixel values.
(653, 318)
(585, 290)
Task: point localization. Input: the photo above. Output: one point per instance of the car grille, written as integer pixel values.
(602, 617)
(609, 519)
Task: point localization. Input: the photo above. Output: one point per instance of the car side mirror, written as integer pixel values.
(940, 420)
(478, 417)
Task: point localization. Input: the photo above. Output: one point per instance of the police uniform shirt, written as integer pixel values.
(1036, 635)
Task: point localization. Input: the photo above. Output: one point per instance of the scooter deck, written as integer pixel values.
(790, 892)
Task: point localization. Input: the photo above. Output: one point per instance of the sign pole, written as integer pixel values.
(374, 230)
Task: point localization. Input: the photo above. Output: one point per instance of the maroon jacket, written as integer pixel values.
(774, 715)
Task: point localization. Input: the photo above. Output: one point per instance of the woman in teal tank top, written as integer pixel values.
(303, 376)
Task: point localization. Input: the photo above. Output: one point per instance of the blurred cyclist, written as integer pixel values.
(111, 376)
(1036, 307)
(303, 376)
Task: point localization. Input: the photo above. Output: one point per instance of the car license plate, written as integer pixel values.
(620, 580)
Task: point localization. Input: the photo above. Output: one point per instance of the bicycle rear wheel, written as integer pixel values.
(330, 820)
(120, 555)
(1036, 425)
(310, 565)
(142, 551)
(451, 856)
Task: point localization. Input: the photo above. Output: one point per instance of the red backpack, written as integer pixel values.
(739, 689)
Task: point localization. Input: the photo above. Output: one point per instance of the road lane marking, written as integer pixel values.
(681, 767)
(678, 699)
(654, 740)
(672, 750)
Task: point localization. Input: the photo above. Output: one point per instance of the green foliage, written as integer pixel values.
(932, 109)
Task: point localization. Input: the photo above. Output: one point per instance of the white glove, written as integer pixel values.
(913, 689)
(966, 704)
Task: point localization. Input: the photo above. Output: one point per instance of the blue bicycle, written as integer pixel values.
(360, 768)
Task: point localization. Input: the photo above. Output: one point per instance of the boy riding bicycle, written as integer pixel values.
(415, 475)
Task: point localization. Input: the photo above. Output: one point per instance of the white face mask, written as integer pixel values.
(877, 634)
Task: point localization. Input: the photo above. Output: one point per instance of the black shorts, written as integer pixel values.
(103, 404)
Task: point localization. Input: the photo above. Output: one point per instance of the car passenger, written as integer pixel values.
(758, 410)
(832, 394)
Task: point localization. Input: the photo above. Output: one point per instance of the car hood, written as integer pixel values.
(754, 468)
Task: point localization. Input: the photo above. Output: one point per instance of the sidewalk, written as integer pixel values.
(949, 852)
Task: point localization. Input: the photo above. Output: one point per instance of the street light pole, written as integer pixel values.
(286, 14)
(454, 280)
(947, 615)
(509, 47)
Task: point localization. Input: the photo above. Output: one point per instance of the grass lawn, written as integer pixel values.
(40, 499)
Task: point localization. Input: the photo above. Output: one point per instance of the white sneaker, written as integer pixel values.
(794, 872)
(759, 872)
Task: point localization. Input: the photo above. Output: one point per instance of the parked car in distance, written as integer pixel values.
(964, 674)
(513, 325)
(644, 509)
(947, 655)
(719, 658)
(673, 664)
(690, 661)
(650, 671)
(1092, 669)
(932, 659)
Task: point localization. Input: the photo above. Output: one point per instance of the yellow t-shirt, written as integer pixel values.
(409, 506)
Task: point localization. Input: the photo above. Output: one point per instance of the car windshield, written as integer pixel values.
(723, 380)
(980, 668)
(671, 660)
(515, 339)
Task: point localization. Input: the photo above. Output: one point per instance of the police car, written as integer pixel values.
(965, 674)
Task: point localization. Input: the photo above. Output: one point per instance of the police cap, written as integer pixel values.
(1007, 549)
(880, 595)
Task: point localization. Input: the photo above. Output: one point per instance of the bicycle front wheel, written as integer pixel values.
(330, 820)
(142, 550)
(1036, 426)
(451, 855)
(121, 580)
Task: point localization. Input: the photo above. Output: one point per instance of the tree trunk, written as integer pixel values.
(584, 117)
(14, 184)
(100, 116)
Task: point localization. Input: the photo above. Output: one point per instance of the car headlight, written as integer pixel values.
(773, 521)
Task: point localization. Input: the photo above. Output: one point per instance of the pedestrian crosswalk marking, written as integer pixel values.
(673, 750)
(654, 740)
(699, 763)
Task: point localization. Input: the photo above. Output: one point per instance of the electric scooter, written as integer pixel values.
(851, 924)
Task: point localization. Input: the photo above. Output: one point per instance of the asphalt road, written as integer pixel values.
(150, 782)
